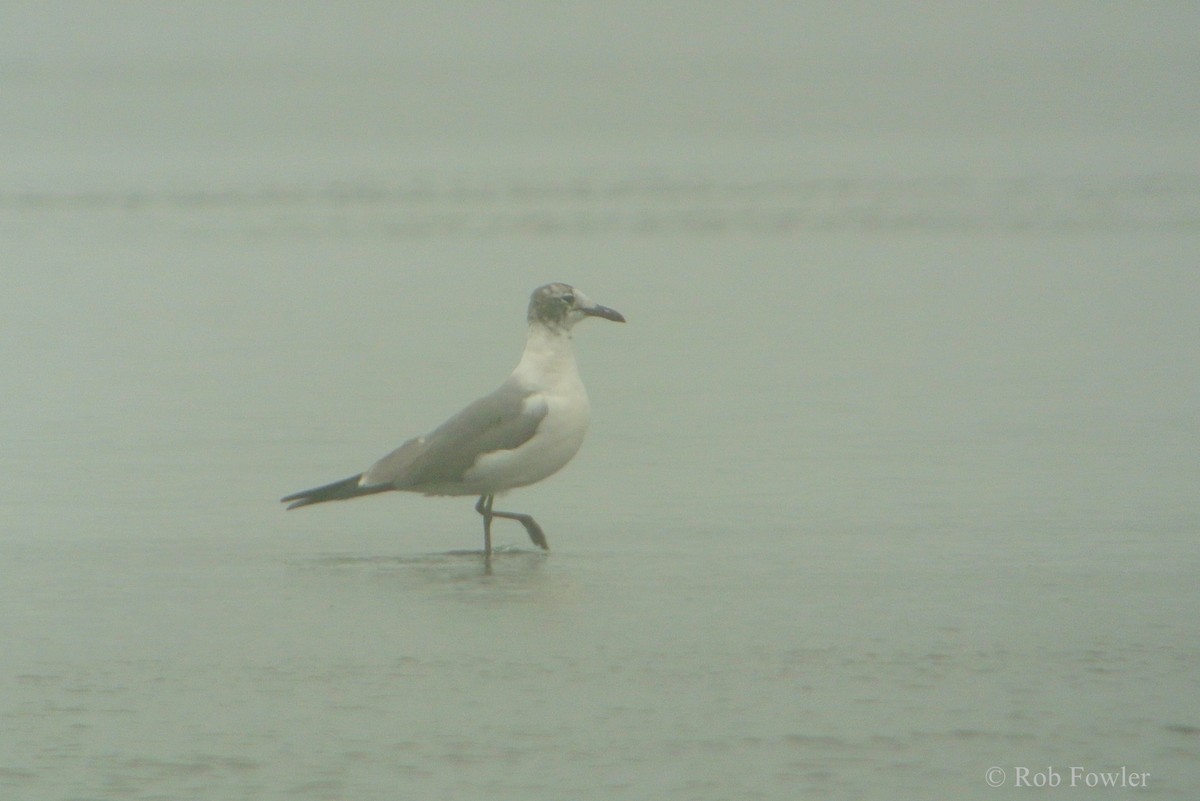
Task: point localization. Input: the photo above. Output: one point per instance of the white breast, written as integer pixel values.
(556, 441)
(548, 371)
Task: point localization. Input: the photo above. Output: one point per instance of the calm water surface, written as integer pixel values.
(862, 511)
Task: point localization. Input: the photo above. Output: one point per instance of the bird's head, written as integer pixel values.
(562, 305)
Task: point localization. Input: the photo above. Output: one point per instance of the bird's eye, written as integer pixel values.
(569, 299)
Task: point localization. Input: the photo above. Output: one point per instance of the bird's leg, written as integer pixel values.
(484, 507)
(535, 531)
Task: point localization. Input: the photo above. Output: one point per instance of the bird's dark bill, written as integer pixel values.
(606, 313)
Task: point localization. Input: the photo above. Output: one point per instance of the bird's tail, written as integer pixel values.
(337, 491)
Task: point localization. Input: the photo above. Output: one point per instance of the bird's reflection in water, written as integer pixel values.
(508, 570)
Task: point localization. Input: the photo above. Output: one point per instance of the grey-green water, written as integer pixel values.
(891, 477)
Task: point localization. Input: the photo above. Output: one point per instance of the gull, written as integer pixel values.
(524, 431)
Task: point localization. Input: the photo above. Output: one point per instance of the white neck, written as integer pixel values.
(548, 359)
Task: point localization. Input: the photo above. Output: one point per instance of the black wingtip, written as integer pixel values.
(337, 491)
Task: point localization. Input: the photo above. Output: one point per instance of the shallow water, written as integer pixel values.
(890, 480)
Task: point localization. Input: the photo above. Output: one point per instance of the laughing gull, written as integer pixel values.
(525, 431)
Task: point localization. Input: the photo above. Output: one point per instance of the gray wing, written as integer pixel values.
(495, 422)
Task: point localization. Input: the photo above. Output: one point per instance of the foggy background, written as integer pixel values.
(164, 92)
